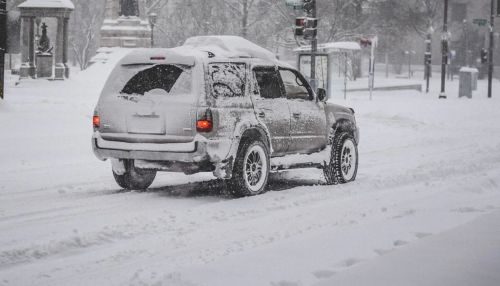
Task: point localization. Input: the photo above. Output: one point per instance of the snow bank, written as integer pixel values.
(467, 255)
(426, 167)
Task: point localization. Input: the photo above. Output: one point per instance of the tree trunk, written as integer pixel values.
(244, 20)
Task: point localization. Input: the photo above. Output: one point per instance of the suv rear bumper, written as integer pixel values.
(192, 152)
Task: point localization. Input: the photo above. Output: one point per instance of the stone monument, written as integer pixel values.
(124, 26)
(44, 55)
(30, 11)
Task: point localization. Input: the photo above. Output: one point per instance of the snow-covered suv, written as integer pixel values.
(219, 104)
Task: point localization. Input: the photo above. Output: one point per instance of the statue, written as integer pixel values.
(44, 43)
(129, 8)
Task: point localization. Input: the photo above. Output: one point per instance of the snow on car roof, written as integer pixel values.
(229, 47)
(67, 4)
(200, 48)
(159, 56)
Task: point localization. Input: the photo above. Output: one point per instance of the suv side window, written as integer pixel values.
(269, 82)
(227, 79)
(295, 85)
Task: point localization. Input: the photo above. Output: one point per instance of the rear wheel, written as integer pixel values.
(251, 169)
(343, 165)
(134, 178)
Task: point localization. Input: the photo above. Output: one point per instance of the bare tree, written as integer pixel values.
(342, 19)
(83, 46)
(85, 25)
(422, 15)
(151, 6)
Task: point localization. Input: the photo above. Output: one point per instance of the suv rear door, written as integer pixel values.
(149, 103)
(271, 106)
(308, 118)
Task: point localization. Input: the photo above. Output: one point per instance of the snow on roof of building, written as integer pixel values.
(230, 47)
(333, 47)
(65, 4)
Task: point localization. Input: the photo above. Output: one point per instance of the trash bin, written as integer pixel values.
(475, 76)
(468, 82)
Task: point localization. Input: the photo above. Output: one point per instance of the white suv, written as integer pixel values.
(219, 104)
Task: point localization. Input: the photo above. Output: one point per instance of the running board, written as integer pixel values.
(296, 166)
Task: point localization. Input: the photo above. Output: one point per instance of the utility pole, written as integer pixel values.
(307, 28)
(152, 17)
(466, 44)
(428, 57)
(492, 46)
(3, 44)
(314, 48)
(444, 51)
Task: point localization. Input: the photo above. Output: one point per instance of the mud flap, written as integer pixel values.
(118, 166)
(224, 169)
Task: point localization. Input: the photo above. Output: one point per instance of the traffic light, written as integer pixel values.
(428, 59)
(311, 29)
(365, 43)
(484, 56)
(308, 5)
(300, 25)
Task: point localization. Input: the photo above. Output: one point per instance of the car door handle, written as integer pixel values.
(296, 114)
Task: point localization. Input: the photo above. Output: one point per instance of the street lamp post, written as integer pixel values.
(466, 43)
(314, 49)
(428, 57)
(152, 21)
(444, 51)
(3, 42)
(409, 54)
(491, 49)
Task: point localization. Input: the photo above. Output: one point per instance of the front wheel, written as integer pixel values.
(343, 165)
(251, 169)
(134, 178)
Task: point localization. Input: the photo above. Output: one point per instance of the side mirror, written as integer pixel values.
(321, 94)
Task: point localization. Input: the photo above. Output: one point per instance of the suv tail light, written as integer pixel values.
(205, 123)
(96, 121)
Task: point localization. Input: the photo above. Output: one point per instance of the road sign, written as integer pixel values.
(296, 4)
(480, 22)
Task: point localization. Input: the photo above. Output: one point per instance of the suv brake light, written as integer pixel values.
(205, 124)
(96, 121)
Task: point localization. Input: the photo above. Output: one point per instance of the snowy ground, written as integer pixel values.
(429, 177)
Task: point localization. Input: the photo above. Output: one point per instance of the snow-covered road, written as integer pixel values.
(427, 166)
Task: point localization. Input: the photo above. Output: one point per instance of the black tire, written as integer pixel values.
(133, 178)
(244, 184)
(343, 165)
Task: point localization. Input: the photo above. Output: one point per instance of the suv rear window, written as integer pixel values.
(227, 79)
(168, 79)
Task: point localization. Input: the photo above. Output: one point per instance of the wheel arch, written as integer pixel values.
(343, 125)
(255, 133)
